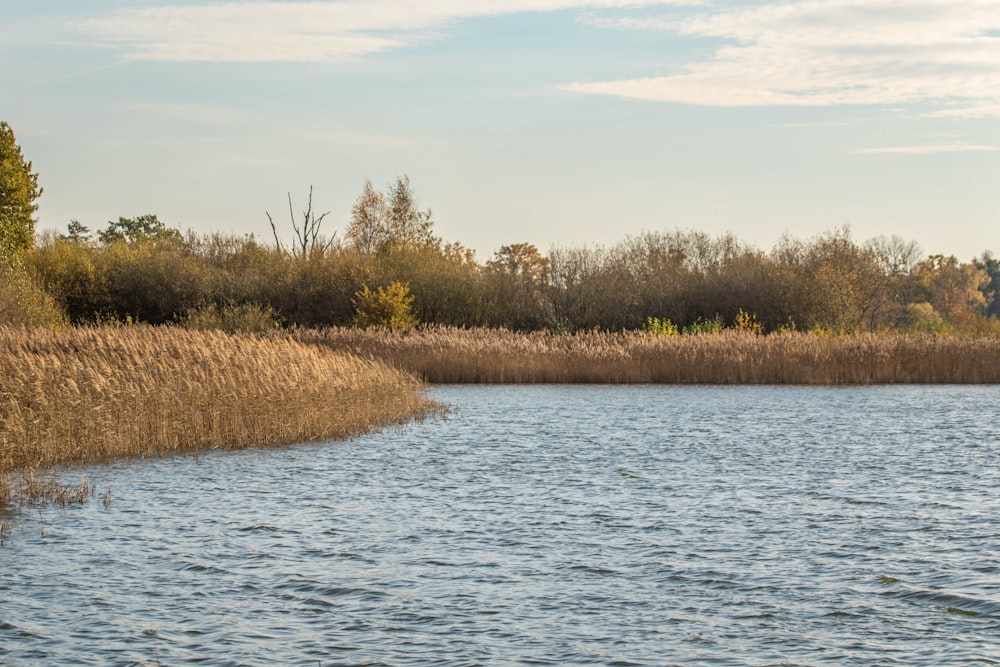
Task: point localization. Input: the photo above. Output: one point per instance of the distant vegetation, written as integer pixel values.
(390, 270)
(451, 355)
(139, 270)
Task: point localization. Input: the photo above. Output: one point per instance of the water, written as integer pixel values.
(543, 526)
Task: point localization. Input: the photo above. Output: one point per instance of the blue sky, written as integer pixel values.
(547, 121)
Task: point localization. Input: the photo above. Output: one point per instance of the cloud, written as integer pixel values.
(319, 31)
(830, 52)
(930, 149)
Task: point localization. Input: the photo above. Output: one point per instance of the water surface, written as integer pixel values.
(545, 525)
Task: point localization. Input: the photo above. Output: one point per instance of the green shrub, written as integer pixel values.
(703, 326)
(660, 327)
(387, 308)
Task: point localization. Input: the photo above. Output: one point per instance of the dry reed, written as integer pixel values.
(448, 355)
(92, 394)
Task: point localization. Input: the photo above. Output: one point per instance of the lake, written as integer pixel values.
(543, 525)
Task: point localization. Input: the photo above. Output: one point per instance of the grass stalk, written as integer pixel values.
(101, 393)
(451, 355)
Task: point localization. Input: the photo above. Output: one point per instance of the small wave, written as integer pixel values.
(264, 528)
(198, 567)
(954, 603)
(593, 569)
(957, 604)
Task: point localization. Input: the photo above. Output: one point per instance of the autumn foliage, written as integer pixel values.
(829, 284)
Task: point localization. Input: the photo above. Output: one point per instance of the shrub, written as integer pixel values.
(922, 317)
(238, 318)
(22, 302)
(387, 308)
(658, 327)
(746, 323)
(703, 326)
(76, 275)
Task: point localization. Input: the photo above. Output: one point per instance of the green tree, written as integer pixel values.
(133, 230)
(991, 265)
(77, 232)
(18, 192)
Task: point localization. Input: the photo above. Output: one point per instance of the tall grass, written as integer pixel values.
(91, 394)
(445, 355)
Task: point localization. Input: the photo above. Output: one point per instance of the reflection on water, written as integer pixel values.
(545, 526)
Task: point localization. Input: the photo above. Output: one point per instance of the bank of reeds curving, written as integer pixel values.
(449, 355)
(101, 393)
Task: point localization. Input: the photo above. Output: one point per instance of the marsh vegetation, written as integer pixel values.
(451, 355)
(90, 394)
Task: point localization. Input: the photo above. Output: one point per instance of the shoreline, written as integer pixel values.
(92, 394)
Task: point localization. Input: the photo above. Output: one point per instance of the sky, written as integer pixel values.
(553, 122)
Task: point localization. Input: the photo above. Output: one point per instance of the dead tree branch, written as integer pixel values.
(308, 239)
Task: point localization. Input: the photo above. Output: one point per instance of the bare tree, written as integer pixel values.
(368, 230)
(896, 255)
(308, 239)
(381, 222)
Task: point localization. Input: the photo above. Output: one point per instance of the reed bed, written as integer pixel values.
(450, 355)
(94, 394)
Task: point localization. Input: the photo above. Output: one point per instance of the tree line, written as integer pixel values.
(139, 269)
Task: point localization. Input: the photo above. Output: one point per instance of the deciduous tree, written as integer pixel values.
(134, 230)
(19, 191)
(383, 222)
(954, 289)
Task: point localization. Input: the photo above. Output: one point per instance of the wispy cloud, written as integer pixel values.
(831, 52)
(317, 31)
(930, 149)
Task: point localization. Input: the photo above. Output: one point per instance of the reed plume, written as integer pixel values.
(99, 393)
(451, 355)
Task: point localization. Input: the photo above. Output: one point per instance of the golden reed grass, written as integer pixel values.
(448, 355)
(93, 394)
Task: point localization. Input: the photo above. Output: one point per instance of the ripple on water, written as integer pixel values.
(547, 526)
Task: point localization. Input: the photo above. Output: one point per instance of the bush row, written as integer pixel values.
(684, 278)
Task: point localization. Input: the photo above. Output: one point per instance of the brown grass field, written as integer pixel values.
(93, 394)
(449, 355)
